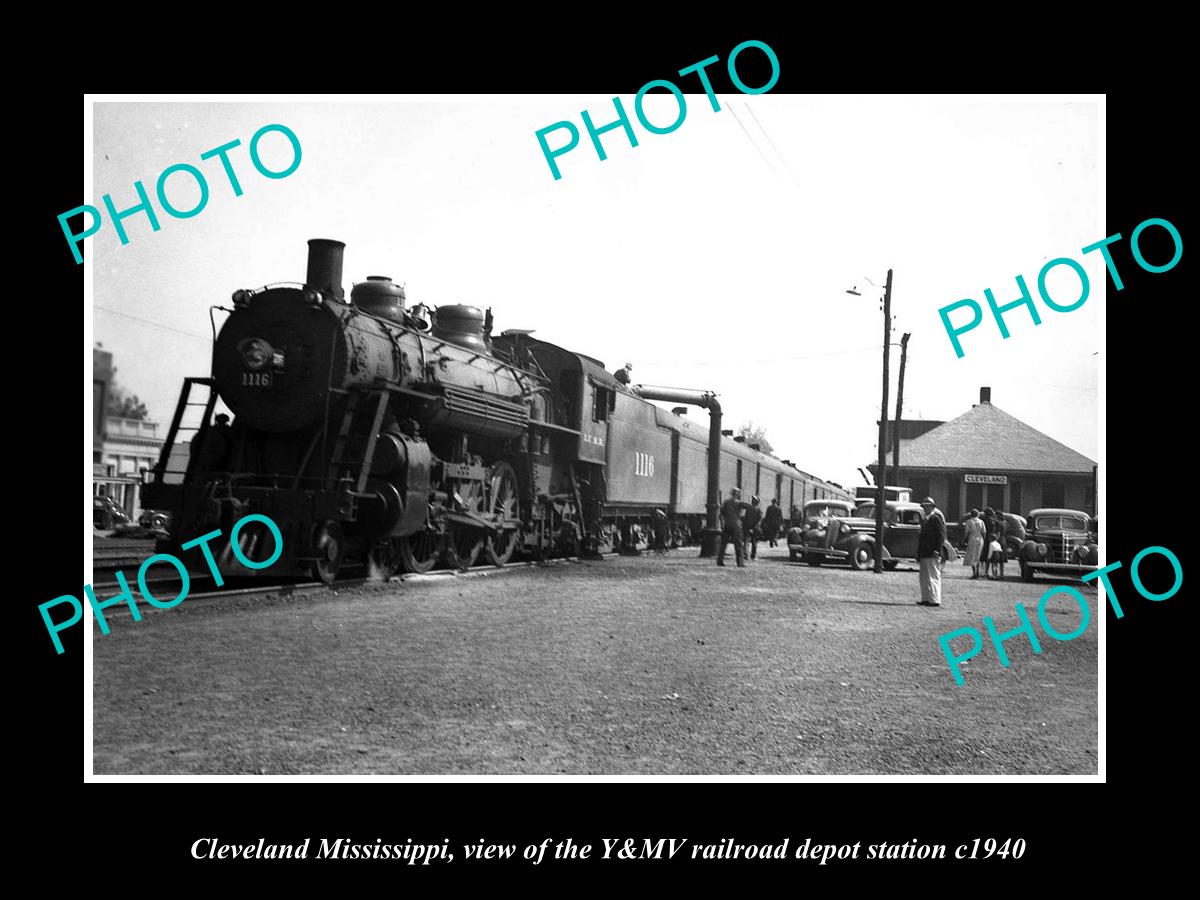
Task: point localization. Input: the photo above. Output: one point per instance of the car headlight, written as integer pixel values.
(1042, 550)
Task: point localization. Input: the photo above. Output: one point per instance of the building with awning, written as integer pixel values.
(986, 457)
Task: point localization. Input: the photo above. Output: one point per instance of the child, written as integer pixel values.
(995, 561)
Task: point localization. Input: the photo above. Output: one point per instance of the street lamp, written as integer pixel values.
(881, 499)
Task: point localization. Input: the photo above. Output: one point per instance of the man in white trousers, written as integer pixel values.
(929, 553)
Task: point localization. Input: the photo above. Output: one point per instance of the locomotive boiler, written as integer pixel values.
(371, 434)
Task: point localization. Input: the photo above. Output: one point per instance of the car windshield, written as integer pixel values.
(1061, 523)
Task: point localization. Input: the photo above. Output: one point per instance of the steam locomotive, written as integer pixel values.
(381, 436)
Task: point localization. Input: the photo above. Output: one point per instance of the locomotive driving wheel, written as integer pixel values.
(464, 547)
(328, 545)
(504, 495)
(386, 557)
(464, 543)
(420, 552)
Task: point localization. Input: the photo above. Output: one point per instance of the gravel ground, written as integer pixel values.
(648, 665)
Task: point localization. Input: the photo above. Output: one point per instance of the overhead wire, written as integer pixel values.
(153, 324)
(752, 141)
(783, 160)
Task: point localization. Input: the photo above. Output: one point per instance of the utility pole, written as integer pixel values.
(899, 408)
(881, 500)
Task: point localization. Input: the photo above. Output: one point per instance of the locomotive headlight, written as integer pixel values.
(241, 298)
(256, 354)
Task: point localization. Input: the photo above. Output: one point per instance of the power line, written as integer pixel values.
(1058, 387)
(762, 362)
(772, 143)
(126, 315)
(752, 141)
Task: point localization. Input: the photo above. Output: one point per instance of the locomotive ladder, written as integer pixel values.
(177, 424)
(347, 438)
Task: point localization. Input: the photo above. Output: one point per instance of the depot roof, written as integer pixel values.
(986, 437)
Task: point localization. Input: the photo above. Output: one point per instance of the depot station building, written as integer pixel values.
(986, 457)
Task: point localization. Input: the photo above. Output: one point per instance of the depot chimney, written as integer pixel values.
(985, 395)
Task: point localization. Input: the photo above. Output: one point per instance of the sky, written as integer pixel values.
(716, 257)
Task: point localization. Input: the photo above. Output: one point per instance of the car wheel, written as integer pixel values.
(1026, 572)
(814, 559)
(862, 555)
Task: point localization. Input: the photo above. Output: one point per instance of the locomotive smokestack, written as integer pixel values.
(325, 267)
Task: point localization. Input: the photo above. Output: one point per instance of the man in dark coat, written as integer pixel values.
(771, 522)
(752, 524)
(731, 527)
(662, 532)
(929, 553)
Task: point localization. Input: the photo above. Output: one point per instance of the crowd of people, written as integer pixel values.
(986, 533)
(745, 524)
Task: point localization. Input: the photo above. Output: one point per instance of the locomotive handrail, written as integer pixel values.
(548, 425)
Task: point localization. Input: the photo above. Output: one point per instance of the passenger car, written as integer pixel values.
(853, 537)
(1059, 541)
(865, 493)
(107, 513)
(155, 519)
(1016, 532)
(814, 520)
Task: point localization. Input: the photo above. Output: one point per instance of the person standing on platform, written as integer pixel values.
(752, 526)
(989, 535)
(772, 519)
(929, 553)
(662, 532)
(975, 533)
(731, 527)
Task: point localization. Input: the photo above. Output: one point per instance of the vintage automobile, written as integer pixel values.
(853, 537)
(1059, 542)
(814, 520)
(1016, 532)
(107, 513)
(865, 493)
(155, 519)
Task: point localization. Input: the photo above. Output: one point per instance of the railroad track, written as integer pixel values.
(128, 553)
(166, 588)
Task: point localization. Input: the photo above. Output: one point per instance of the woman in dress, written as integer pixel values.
(989, 535)
(975, 535)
